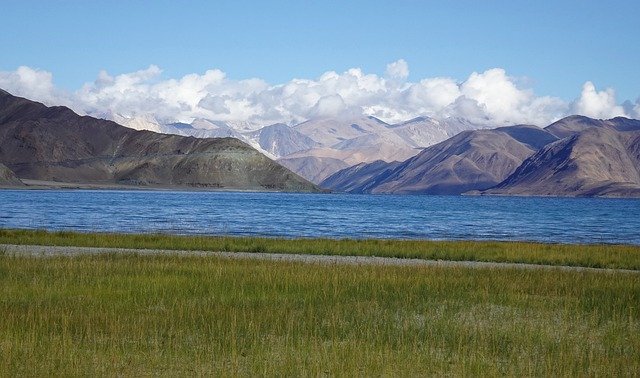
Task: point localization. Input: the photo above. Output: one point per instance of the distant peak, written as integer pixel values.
(278, 125)
(377, 120)
(621, 119)
(418, 119)
(576, 117)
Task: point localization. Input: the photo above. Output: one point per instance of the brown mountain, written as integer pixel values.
(471, 160)
(361, 178)
(313, 168)
(55, 144)
(573, 125)
(596, 158)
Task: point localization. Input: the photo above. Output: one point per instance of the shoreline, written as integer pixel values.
(46, 251)
(59, 185)
(601, 256)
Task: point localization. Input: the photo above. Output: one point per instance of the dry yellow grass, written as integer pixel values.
(185, 315)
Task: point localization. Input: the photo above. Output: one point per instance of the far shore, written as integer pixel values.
(58, 185)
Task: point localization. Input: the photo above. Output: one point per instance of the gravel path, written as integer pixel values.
(50, 251)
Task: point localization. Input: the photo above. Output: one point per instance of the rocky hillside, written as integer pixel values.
(320, 147)
(596, 158)
(361, 178)
(351, 141)
(55, 144)
(281, 140)
(8, 178)
(471, 160)
(576, 156)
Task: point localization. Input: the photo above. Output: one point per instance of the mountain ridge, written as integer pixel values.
(575, 156)
(312, 148)
(599, 161)
(469, 160)
(55, 144)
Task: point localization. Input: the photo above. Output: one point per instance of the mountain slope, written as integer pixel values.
(573, 125)
(313, 168)
(281, 140)
(601, 160)
(8, 178)
(368, 139)
(330, 131)
(471, 160)
(55, 144)
(311, 148)
(360, 178)
(423, 132)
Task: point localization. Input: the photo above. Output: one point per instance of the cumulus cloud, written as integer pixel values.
(469, 109)
(328, 106)
(491, 97)
(215, 103)
(34, 84)
(398, 70)
(503, 102)
(597, 104)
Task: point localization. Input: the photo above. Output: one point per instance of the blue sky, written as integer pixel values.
(553, 47)
(556, 44)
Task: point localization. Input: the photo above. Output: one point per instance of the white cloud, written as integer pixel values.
(467, 108)
(329, 106)
(215, 103)
(34, 84)
(491, 97)
(505, 103)
(429, 96)
(596, 104)
(499, 95)
(398, 70)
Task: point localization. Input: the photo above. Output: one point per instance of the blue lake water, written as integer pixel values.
(566, 220)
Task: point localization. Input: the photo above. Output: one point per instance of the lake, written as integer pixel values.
(563, 220)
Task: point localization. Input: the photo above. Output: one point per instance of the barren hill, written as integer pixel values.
(471, 160)
(55, 144)
(602, 160)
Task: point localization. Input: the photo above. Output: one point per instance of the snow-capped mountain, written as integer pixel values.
(320, 147)
(331, 131)
(367, 139)
(145, 122)
(422, 132)
(281, 140)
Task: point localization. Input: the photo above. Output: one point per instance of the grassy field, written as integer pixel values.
(185, 315)
(597, 256)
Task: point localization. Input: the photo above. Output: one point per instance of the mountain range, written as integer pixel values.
(319, 147)
(576, 156)
(594, 158)
(54, 144)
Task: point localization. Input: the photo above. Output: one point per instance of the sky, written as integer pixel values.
(267, 61)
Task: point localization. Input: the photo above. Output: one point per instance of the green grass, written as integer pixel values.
(185, 315)
(597, 256)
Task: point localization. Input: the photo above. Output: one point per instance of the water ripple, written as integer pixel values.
(566, 220)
